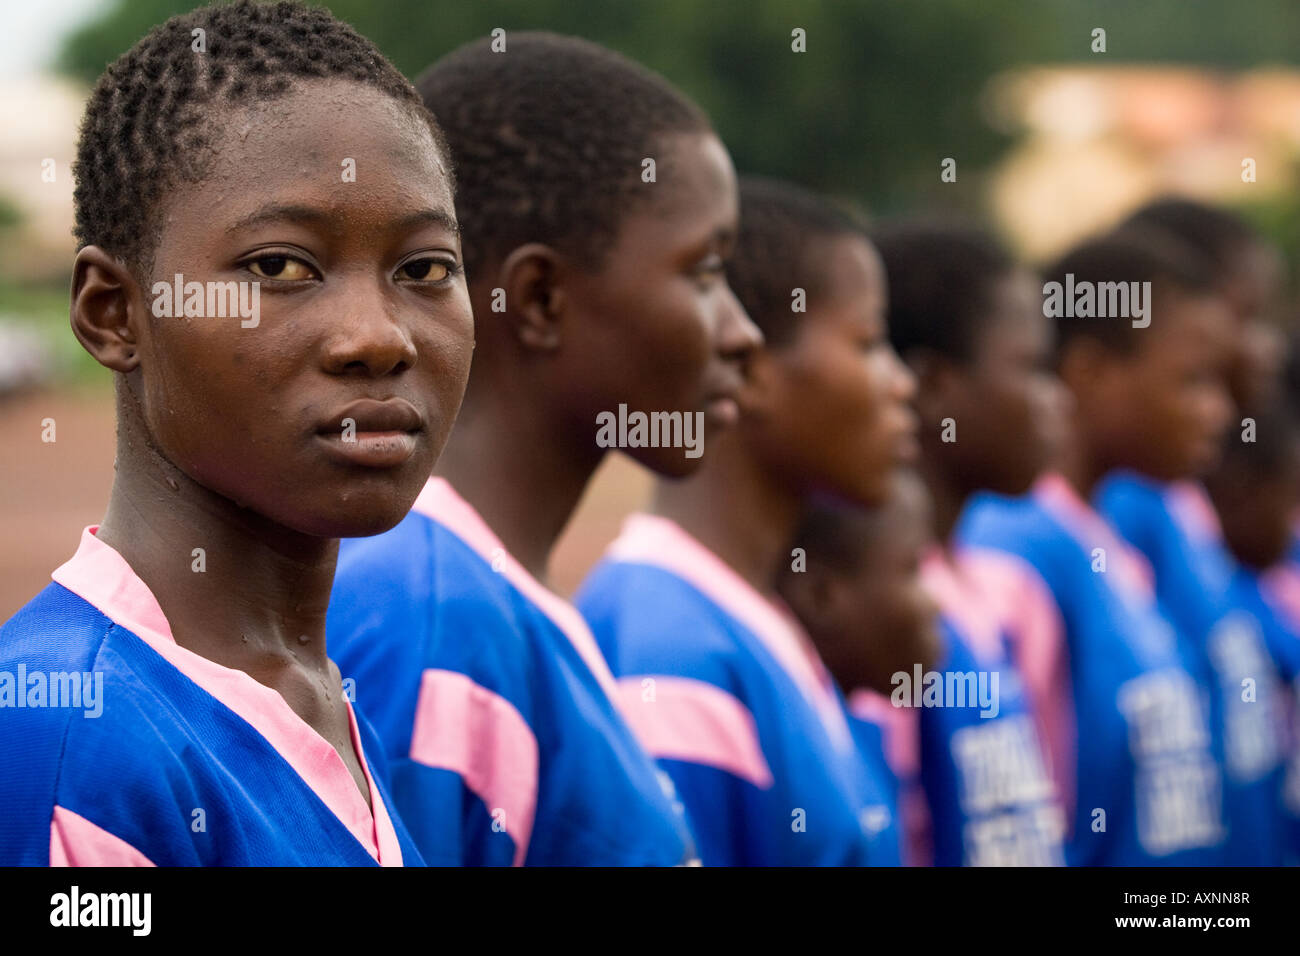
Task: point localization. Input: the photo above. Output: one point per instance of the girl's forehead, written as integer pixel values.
(319, 123)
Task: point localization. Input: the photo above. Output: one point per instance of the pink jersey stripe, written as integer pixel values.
(656, 541)
(101, 576)
(440, 502)
(1035, 634)
(678, 718)
(463, 727)
(75, 841)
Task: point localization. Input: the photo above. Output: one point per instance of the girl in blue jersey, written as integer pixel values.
(600, 300)
(168, 699)
(967, 321)
(1256, 490)
(723, 685)
(1178, 527)
(859, 595)
(1124, 719)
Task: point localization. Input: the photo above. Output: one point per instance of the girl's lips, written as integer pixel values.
(371, 415)
(387, 449)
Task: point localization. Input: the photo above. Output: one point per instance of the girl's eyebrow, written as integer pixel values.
(431, 216)
(303, 214)
(312, 216)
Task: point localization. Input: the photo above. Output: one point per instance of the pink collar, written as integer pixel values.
(101, 576)
(964, 603)
(659, 542)
(440, 502)
(1192, 508)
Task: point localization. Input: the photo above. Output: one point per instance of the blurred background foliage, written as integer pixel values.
(886, 90)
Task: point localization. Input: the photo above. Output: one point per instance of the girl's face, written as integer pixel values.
(1008, 405)
(1162, 410)
(1253, 289)
(830, 411)
(871, 616)
(327, 415)
(661, 329)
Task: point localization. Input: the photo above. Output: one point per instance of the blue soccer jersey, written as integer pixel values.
(1123, 722)
(122, 748)
(991, 801)
(888, 738)
(882, 818)
(1176, 529)
(493, 702)
(1274, 598)
(725, 689)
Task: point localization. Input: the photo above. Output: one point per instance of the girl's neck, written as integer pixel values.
(737, 510)
(947, 499)
(235, 587)
(1080, 466)
(511, 463)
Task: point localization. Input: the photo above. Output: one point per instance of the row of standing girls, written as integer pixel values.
(909, 474)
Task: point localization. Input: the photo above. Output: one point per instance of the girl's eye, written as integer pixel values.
(709, 270)
(426, 270)
(281, 267)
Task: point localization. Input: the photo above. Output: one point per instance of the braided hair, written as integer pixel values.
(149, 123)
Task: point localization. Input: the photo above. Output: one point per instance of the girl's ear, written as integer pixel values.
(530, 276)
(107, 311)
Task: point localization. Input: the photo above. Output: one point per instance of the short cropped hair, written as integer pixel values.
(148, 123)
(548, 137)
(942, 276)
(783, 234)
(1129, 254)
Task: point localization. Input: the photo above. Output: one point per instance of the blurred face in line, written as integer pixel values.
(830, 409)
(1007, 404)
(868, 614)
(1160, 409)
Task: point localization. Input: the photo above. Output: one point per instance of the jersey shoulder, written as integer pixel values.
(649, 620)
(94, 711)
(1022, 527)
(419, 598)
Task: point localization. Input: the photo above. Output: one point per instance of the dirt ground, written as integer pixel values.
(53, 490)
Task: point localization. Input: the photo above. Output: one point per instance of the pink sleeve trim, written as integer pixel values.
(677, 718)
(75, 841)
(659, 542)
(465, 728)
